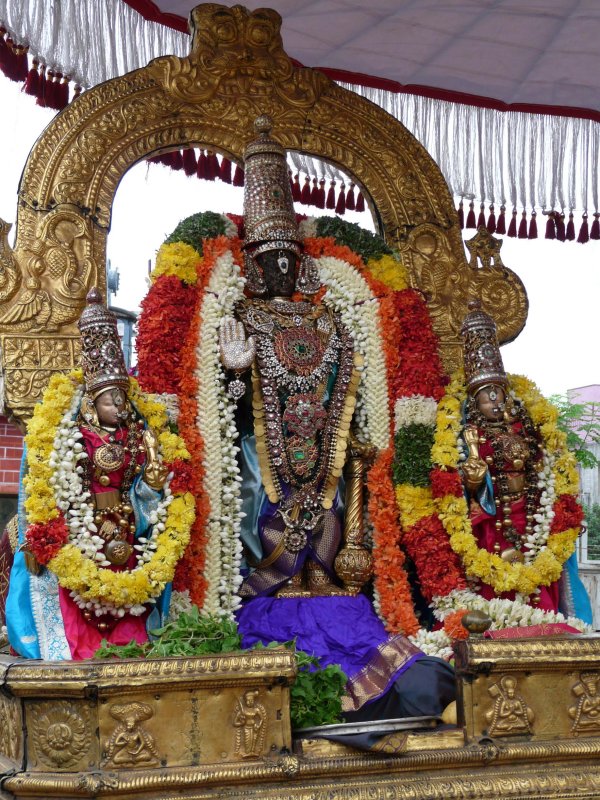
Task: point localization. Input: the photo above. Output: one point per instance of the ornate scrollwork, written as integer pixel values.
(61, 733)
(10, 727)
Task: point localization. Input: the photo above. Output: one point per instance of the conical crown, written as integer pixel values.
(101, 354)
(481, 351)
(269, 217)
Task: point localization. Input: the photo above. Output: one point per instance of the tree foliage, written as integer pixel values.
(581, 424)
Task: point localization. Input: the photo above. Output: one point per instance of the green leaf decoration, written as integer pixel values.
(192, 230)
(412, 457)
(366, 244)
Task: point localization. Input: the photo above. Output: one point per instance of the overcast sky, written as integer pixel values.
(557, 349)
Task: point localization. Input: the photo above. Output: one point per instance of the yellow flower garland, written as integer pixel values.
(178, 259)
(390, 271)
(454, 512)
(75, 571)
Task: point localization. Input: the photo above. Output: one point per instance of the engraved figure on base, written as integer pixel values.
(249, 720)
(586, 714)
(130, 745)
(510, 714)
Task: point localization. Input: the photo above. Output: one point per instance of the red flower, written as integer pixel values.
(453, 625)
(445, 482)
(567, 514)
(182, 478)
(438, 567)
(44, 540)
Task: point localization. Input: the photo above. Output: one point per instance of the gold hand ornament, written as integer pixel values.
(155, 474)
(474, 469)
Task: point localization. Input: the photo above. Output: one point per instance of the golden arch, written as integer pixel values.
(237, 69)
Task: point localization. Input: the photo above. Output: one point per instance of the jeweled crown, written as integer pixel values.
(481, 351)
(101, 354)
(269, 217)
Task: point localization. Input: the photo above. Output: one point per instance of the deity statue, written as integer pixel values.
(504, 461)
(249, 720)
(95, 522)
(586, 714)
(305, 560)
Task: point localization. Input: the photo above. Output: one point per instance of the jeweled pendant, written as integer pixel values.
(236, 389)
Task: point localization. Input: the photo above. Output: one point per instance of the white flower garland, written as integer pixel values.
(216, 424)
(415, 410)
(78, 510)
(503, 613)
(349, 294)
(433, 643)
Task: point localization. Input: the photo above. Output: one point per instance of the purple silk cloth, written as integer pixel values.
(338, 630)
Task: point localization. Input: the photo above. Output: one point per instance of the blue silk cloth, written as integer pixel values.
(338, 630)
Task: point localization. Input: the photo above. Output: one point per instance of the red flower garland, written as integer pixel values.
(438, 567)
(391, 581)
(445, 482)
(567, 514)
(164, 324)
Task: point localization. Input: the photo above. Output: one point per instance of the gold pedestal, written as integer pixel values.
(219, 727)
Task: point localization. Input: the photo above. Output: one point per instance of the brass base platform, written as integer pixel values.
(219, 726)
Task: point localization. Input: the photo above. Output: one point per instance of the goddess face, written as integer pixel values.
(279, 271)
(490, 402)
(111, 407)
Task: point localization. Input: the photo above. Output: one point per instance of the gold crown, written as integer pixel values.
(101, 354)
(269, 217)
(481, 351)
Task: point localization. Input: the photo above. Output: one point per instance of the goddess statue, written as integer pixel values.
(295, 419)
(502, 468)
(94, 521)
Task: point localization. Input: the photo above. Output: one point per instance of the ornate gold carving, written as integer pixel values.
(237, 68)
(586, 713)
(11, 727)
(60, 733)
(510, 713)
(250, 723)
(546, 654)
(130, 745)
(354, 563)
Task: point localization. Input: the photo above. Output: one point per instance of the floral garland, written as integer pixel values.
(555, 535)
(61, 532)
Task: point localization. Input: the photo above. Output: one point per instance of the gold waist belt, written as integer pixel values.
(104, 500)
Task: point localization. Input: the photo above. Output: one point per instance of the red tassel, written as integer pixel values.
(296, 190)
(360, 202)
(167, 159)
(41, 95)
(190, 165)
(21, 67)
(570, 232)
(550, 226)
(501, 224)
(491, 223)
(50, 102)
(561, 234)
(201, 166)
(340, 206)
(314, 193)
(584, 235)
(6, 54)
(32, 83)
(460, 211)
(176, 160)
(213, 167)
(225, 173)
(522, 234)
(154, 160)
(331, 196)
(595, 231)
(321, 198)
(481, 217)
(512, 226)
(238, 176)
(350, 202)
(470, 223)
(305, 193)
(533, 232)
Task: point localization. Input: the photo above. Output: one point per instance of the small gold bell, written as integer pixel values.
(518, 464)
(103, 480)
(127, 509)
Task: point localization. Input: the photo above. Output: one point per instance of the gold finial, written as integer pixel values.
(263, 124)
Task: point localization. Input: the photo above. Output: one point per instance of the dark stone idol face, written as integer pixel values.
(279, 271)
